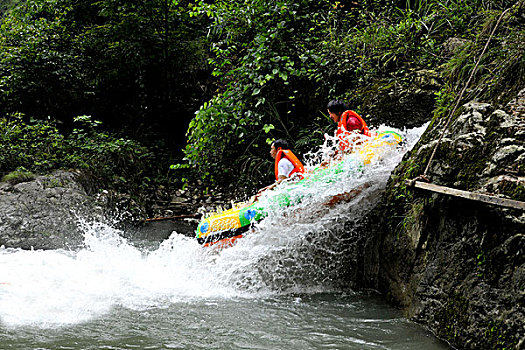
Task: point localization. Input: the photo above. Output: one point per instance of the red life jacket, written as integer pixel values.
(298, 166)
(342, 123)
(342, 130)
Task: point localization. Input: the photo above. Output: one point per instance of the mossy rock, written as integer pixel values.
(18, 176)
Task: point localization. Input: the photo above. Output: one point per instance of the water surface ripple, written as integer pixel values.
(286, 285)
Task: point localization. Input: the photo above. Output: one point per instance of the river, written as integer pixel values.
(284, 286)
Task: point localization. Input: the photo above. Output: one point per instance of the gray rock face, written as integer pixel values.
(43, 213)
(456, 265)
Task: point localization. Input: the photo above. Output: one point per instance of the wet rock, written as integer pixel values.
(456, 265)
(452, 45)
(160, 230)
(44, 213)
(177, 200)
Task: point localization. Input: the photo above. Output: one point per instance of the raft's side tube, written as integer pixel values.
(231, 224)
(228, 223)
(376, 148)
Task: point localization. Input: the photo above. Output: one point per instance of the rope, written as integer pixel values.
(424, 176)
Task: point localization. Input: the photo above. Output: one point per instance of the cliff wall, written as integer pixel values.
(457, 265)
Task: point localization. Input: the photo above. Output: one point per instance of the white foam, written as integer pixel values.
(285, 253)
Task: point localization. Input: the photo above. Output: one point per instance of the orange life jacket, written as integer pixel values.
(298, 166)
(343, 132)
(341, 127)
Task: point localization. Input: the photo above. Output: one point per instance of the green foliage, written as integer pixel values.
(119, 163)
(34, 62)
(32, 145)
(263, 54)
(498, 75)
(312, 136)
(18, 176)
(134, 65)
(279, 62)
(265, 68)
(393, 40)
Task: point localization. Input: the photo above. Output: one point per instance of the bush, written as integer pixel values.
(279, 62)
(117, 163)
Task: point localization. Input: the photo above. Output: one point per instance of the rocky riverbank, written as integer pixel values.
(456, 265)
(46, 211)
(43, 212)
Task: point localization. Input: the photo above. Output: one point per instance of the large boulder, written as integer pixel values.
(44, 213)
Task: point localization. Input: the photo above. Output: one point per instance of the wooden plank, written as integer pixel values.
(504, 202)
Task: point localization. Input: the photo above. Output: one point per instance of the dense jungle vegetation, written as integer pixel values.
(124, 89)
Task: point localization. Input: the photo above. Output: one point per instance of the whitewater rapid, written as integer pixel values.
(294, 251)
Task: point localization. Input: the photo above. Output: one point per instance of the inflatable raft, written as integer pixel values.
(225, 227)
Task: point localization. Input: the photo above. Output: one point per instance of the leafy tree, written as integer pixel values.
(40, 70)
(266, 57)
(149, 58)
(278, 63)
(135, 65)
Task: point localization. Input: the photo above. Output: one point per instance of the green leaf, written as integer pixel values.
(268, 127)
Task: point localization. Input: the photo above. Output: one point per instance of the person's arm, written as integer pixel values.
(278, 181)
(269, 187)
(285, 168)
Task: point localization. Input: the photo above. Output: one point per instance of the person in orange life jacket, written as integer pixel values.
(348, 123)
(286, 164)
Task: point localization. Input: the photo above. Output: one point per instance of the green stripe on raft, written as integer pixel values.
(244, 214)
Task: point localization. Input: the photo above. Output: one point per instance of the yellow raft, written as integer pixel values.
(225, 227)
